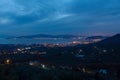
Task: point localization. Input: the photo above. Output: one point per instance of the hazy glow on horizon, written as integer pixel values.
(22, 17)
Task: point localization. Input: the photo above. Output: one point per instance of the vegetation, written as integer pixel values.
(26, 72)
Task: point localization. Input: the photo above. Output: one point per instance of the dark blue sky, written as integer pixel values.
(93, 17)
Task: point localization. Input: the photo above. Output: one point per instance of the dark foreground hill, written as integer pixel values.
(113, 41)
(106, 51)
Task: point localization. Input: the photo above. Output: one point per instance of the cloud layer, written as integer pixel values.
(22, 17)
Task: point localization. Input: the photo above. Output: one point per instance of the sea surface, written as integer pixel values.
(36, 41)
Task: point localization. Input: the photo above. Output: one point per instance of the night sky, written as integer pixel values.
(84, 17)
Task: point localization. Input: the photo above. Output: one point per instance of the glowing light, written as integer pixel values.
(7, 61)
(80, 50)
(43, 66)
(84, 70)
(104, 51)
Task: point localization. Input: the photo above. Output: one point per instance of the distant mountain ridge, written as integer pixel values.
(48, 36)
(66, 36)
(96, 37)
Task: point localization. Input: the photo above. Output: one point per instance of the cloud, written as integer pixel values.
(5, 21)
(73, 16)
(59, 15)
